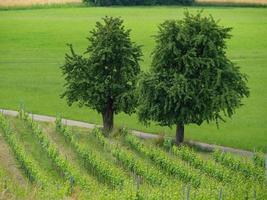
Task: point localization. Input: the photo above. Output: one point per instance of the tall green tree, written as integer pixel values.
(191, 79)
(105, 77)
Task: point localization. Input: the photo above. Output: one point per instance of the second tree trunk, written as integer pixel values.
(179, 134)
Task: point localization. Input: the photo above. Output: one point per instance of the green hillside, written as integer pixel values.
(33, 44)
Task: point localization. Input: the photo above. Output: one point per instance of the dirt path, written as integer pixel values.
(204, 146)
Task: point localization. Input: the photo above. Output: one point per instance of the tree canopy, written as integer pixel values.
(105, 77)
(191, 79)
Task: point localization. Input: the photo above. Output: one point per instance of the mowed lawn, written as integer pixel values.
(33, 44)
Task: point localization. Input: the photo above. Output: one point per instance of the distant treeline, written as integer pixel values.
(138, 2)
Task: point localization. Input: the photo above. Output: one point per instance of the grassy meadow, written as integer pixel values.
(33, 44)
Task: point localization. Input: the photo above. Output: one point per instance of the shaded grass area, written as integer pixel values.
(33, 43)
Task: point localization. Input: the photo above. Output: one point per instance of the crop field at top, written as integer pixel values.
(54, 161)
(34, 2)
(33, 46)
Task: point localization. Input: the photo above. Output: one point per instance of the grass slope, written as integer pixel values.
(33, 43)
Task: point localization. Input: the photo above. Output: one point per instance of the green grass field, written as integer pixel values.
(33, 44)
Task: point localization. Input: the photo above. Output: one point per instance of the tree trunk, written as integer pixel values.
(107, 116)
(179, 134)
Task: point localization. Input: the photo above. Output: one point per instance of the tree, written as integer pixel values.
(191, 80)
(105, 79)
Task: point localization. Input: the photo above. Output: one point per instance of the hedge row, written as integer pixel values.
(138, 2)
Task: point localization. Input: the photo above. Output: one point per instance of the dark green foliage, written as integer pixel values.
(106, 78)
(137, 2)
(191, 79)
